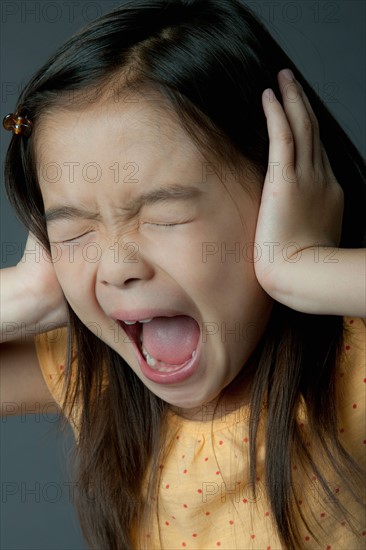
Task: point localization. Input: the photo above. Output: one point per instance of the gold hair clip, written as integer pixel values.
(18, 124)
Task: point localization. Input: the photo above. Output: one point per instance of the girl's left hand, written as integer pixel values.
(302, 202)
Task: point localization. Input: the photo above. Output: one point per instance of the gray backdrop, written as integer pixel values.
(327, 42)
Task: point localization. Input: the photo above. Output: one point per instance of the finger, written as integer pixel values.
(300, 122)
(330, 177)
(281, 140)
(317, 147)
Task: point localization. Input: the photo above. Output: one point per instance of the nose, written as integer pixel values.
(122, 264)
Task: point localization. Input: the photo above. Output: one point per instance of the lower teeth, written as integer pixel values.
(156, 364)
(151, 361)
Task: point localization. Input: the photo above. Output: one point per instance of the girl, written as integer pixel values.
(197, 213)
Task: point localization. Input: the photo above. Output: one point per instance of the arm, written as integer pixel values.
(300, 216)
(23, 388)
(31, 302)
(323, 280)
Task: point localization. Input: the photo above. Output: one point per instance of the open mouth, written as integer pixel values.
(166, 347)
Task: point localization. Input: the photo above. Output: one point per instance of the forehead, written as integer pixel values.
(141, 126)
(110, 152)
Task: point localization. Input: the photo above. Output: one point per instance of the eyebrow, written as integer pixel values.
(172, 192)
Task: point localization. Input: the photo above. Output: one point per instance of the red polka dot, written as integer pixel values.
(341, 430)
(185, 471)
(295, 467)
(199, 440)
(177, 437)
(218, 472)
(184, 544)
(364, 380)
(348, 348)
(343, 523)
(167, 523)
(351, 321)
(161, 466)
(199, 491)
(307, 538)
(258, 478)
(322, 515)
(173, 517)
(364, 441)
(194, 535)
(206, 459)
(266, 514)
(268, 548)
(364, 534)
(218, 543)
(207, 513)
(354, 406)
(245, 440)
(231, 522)
(337, 490)
(185, 506)
(167, 486)
(221, 442)
(183, 456)
(50, 375)
(245, 500)
(61, 367)
(314, 478)
(329, 547)
(300, 502)
(252, 536)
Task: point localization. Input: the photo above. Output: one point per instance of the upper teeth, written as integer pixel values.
(134, 322)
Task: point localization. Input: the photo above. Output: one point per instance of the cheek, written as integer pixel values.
(221, 253)
(75, 272)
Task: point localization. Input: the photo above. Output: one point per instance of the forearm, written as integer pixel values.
(322, 280)
(25, 312)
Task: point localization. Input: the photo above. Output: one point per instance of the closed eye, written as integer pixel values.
(71, 240)
(166, 224)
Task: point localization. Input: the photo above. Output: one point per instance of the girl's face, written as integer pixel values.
(142, 227)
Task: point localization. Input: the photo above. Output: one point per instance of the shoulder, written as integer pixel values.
(52, 351)
(51, 348)
(351, 386)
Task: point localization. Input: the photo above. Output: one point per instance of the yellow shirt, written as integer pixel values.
(205, 497)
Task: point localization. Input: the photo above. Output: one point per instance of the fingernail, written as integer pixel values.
(288, 74)
(269, 93)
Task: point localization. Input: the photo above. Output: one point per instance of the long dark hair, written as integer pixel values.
(211, 59)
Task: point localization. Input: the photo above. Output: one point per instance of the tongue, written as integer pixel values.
(171, 339)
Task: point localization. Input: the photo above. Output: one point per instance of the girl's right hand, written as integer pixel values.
(37, 273)
(31, 298)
